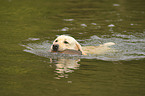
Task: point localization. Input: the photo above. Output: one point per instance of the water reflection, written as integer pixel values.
(129, 47)
(65, 66)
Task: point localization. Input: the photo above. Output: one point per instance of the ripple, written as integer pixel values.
(129, 47)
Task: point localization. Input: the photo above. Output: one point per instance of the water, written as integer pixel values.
(28, 28)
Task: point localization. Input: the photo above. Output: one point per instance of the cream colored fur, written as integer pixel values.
(74, 45)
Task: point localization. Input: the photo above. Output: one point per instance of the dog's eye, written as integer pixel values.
(66, 42)
(56, 40)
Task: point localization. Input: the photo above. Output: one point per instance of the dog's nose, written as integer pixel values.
(55, 47)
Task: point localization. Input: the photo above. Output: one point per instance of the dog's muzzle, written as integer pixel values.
(55, 47)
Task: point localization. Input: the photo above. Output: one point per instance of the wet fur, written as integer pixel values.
(75, 48)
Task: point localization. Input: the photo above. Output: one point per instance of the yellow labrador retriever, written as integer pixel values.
(68, 45)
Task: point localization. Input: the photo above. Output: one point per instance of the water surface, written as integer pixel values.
(28, 28)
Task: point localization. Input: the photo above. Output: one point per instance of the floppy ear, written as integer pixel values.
(80, 48)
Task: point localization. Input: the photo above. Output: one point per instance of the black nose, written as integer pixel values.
(55, 47)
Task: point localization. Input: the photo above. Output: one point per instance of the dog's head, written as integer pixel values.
(64, 42)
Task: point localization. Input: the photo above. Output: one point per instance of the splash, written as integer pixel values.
(129, 47)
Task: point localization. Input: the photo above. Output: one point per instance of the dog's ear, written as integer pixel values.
(80, 48)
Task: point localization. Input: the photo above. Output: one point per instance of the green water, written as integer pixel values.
(28, 28)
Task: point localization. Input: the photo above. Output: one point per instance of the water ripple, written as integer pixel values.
(129, 47)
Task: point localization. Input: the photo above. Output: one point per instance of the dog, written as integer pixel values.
(68, 45)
